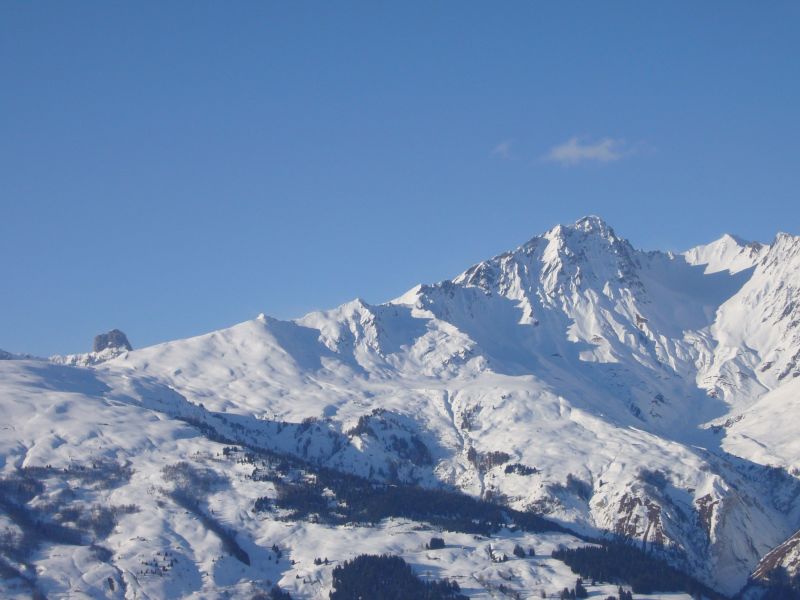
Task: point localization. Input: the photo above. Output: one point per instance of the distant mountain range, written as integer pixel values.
(618, 392)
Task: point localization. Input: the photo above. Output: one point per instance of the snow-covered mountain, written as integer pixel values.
(617, 391)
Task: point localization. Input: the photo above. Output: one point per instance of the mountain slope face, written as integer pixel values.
(118, 487)
(609, 387)
(619, 391)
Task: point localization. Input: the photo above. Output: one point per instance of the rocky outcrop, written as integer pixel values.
(113, 339)
(106, 346)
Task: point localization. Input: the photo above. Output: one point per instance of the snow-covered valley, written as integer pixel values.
(614, 391)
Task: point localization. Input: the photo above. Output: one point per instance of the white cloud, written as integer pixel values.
(575, 151)
(503, 149)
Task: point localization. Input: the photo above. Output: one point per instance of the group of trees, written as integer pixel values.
(262, 504)
(520, 469)
(436, 543)
(100, 473)
(579, 591)
(779, 585)
(361, 501)
(624, 594)
(519, 552)
(275, 593)
(387, 578)
(622, 562)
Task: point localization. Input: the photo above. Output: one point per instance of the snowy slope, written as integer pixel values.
(616, 390)
(729, 253)
(767, 431)
(757, 332)
(77, 443)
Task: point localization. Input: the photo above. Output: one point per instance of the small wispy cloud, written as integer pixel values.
(503, 149)
(576, 150)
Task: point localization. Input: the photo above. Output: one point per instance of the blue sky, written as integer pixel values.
(172, 168)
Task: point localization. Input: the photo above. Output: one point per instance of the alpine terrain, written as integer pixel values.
(575, 407)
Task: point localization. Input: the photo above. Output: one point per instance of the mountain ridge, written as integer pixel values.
(615, 390)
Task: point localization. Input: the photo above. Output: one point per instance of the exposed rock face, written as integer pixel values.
(113, 339)
(775, 572)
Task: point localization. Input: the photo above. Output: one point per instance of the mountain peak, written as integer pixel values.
(559, 262)
(784, 251)
(728, 253)
(112, 339)
(590, 226)
(783, 237)
(730, 237)
(592, 223)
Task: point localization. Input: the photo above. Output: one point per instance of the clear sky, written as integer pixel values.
(170, 168)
